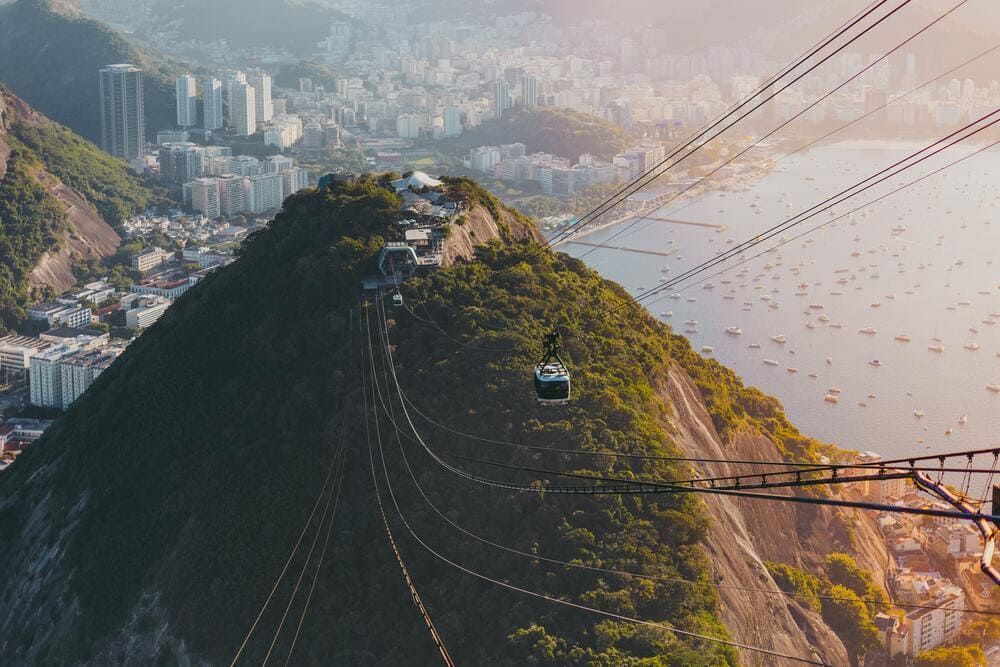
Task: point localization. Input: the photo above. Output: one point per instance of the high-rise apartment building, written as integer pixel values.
(123, 124)
(263, 107)
(181, 162)
(234, 193)
(205, 197)
(266, 193)
(187, 101)
(211, 99)
(242, 109)
(452, 118)
(501, 97)
(529, 91)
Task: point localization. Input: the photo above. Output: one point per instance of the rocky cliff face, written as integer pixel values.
(88, 236)
(747, 532)
(480, 227)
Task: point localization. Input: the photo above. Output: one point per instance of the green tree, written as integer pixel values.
(952, 656)
(851, 620)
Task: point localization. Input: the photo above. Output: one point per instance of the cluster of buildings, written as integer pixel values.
(936, 566)
(556, 175)
(17, 433)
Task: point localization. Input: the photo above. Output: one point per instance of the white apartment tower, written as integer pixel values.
(205, 197)
(187, 101)
(242, 109)
(234, 191)
(529, 91)
(263, 107)
(211, 97)
(123, 124)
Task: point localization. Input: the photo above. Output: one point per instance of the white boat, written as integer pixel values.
(871, 331)
(675, 295)
(691, 299)
(964, 419)
(693, 323)
(830, 398)
(947, 431)
(810, 325)
(971, 346)
(935, 347)
(823, 317)
(918, 413)
(735, 331)
(871, 395)
(816, 306)
(836, 325)
(792, 370)
(780, 338)
(754, 346)
(770, 362)
(875, 362)
(903, 337)
(707, 349)
(667, 313)
(993, 387)
(833, 390)
(829, 360)
(876, 304)
(813, 375)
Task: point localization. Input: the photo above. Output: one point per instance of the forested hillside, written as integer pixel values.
(59, 195)
(197, 456)
(50, 55)
(562, 132)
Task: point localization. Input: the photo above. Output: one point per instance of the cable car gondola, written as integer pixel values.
(397, 299)
(551, 376)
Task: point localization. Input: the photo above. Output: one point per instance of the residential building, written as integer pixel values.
(170, 289)
(266, 193)
(16, 353)
(45, 378)
(59, 314)
(278, 163)
(529, 91)
(245, 165)
(81, 339)
(205, 197)
(123, 123)
(930, 628)
(234, 191)
(484, 158)
(211, 99)
(263, 107)
(79, 369)
(293, 180)
(149, 258)
(144, 311)
(501, 97)
(408, 126)
(205, 257)
(242, 108)
(187, 101)
(171, 136)
(452, 122)
(181, 162)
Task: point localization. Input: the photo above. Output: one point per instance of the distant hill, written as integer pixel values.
(60, 200)
(562, 132)
(50, 55)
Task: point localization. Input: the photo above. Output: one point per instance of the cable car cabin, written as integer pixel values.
(397, 299)
(551, 376)
(552, 383)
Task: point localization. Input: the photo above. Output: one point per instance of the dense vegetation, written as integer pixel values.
(562, 132)
(32, 221)
(200, 451)
(106, 182)
(846, 588)
(50, 56)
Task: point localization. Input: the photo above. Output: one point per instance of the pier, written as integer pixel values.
(642, 251)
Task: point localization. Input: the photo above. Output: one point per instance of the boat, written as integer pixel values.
(816, 306)
(971, 346)
(754, 346)
(918, 413)
(667, 313)
(707, 349)
(735, 331)
(871, 395)
(829, 360)
(964, 419)
(836, 325)
(871, 331)
(813, 375)
(690, 330)
(792, 370)
(810, 325)
(903, 338)
(830, 398)
(875, 362)
(691, 299)
(875, 304)
(862, 404)
(935, 347)
(692, 323)
(675, 295)
(993, 387)
(833, 390)
(947, 431)
(770, 362)
(780, 338)
(965, 303)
